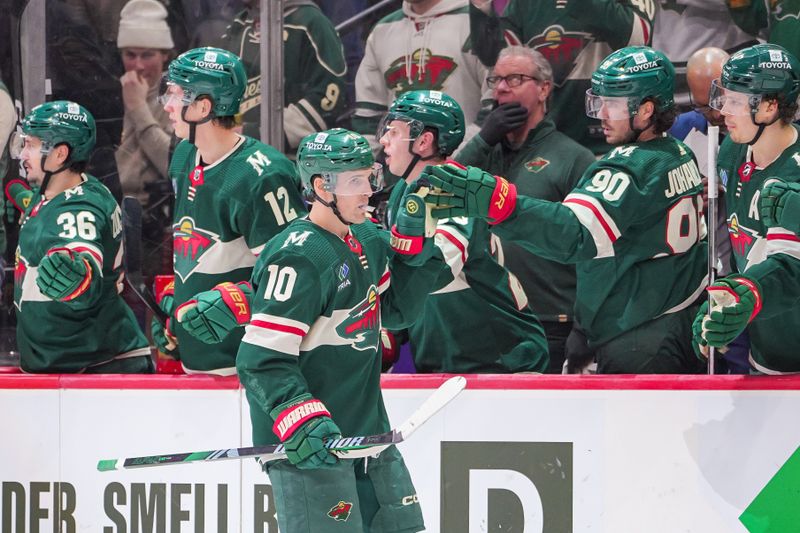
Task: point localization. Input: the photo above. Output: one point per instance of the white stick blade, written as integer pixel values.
(435, 402)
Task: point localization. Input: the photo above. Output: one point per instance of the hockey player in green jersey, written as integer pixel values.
(70, 316)
(633, 225)
(478, 319)
(309, 359)
(232, 194)
(757, 94)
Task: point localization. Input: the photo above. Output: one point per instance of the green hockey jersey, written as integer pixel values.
(634, 227)
(313, 70)
(769, 255)
(97, 326)
(316, 316)
(547, 165)
(224, 215)
(478, 319)
(574, 36)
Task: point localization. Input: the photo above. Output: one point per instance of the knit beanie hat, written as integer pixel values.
(143, 24)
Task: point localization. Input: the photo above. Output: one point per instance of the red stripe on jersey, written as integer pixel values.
(597, 214)
(450, 237)
(384, 278)
(278, 327)
(783, 237)
(82, 249)
(645, 29)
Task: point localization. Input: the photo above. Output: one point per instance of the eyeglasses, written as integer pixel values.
(512, 80)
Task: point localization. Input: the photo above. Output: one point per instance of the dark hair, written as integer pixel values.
(662, 120)
(228, 122)
(78, 166)
(786, 111)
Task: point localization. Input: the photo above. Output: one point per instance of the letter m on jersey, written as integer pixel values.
(296, 238)
(259, 161)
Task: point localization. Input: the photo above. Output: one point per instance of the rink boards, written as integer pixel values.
(518, 453)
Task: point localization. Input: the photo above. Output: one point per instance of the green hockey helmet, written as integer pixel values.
(753, 73)
(626, 78)
(211, 72)
(344, 161)
(428, 109)
(58, 122)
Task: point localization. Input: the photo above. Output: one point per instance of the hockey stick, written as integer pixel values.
(713, 149)
(132, 241)
(346, 447)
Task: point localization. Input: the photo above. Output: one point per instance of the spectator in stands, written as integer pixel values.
(574, 35)
(8, 119)
(518, 141)
(314, 69)
(84, 68)
(423, 46)
(703, 67)
(477, 318)
(146, 46)
(683, 26)
(352, 40)
(780, 19)
(70, 316)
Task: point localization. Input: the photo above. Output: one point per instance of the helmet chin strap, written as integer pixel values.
(332, 205)
(48, 174)
(193, 123)
(415, 158)
(761, 126)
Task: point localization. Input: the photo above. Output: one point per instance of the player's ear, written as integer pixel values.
(646, 109)
(318, 184)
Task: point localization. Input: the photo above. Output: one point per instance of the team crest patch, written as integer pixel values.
(536, 165)
(362, 324)
(742, 238)
(190, 244)
(432, 77)
(561, 48)
(341, 511)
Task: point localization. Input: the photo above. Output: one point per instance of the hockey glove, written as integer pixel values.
(502, 119)
(408, 238)
(460, 191)
(163, 338)
(304, 425)
(211, 315)
(737, 300)
(64, 274)
(780, 204)
(18, 198)
(390, 350)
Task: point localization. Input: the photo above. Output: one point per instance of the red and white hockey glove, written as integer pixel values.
(304, 426)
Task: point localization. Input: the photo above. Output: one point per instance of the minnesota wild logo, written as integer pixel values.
(20, 269)
(536, 165)
(190, 243)
(741, 237)
(561, 48)
(341, 511)
(361, 326)
(401, 76)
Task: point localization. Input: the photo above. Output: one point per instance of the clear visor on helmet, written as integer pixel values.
(730, 102)
(399, 127)
(171, 93)
(608, 107)
(355, 182)
(20, 144)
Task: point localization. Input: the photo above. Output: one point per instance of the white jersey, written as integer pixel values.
(407, 52)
